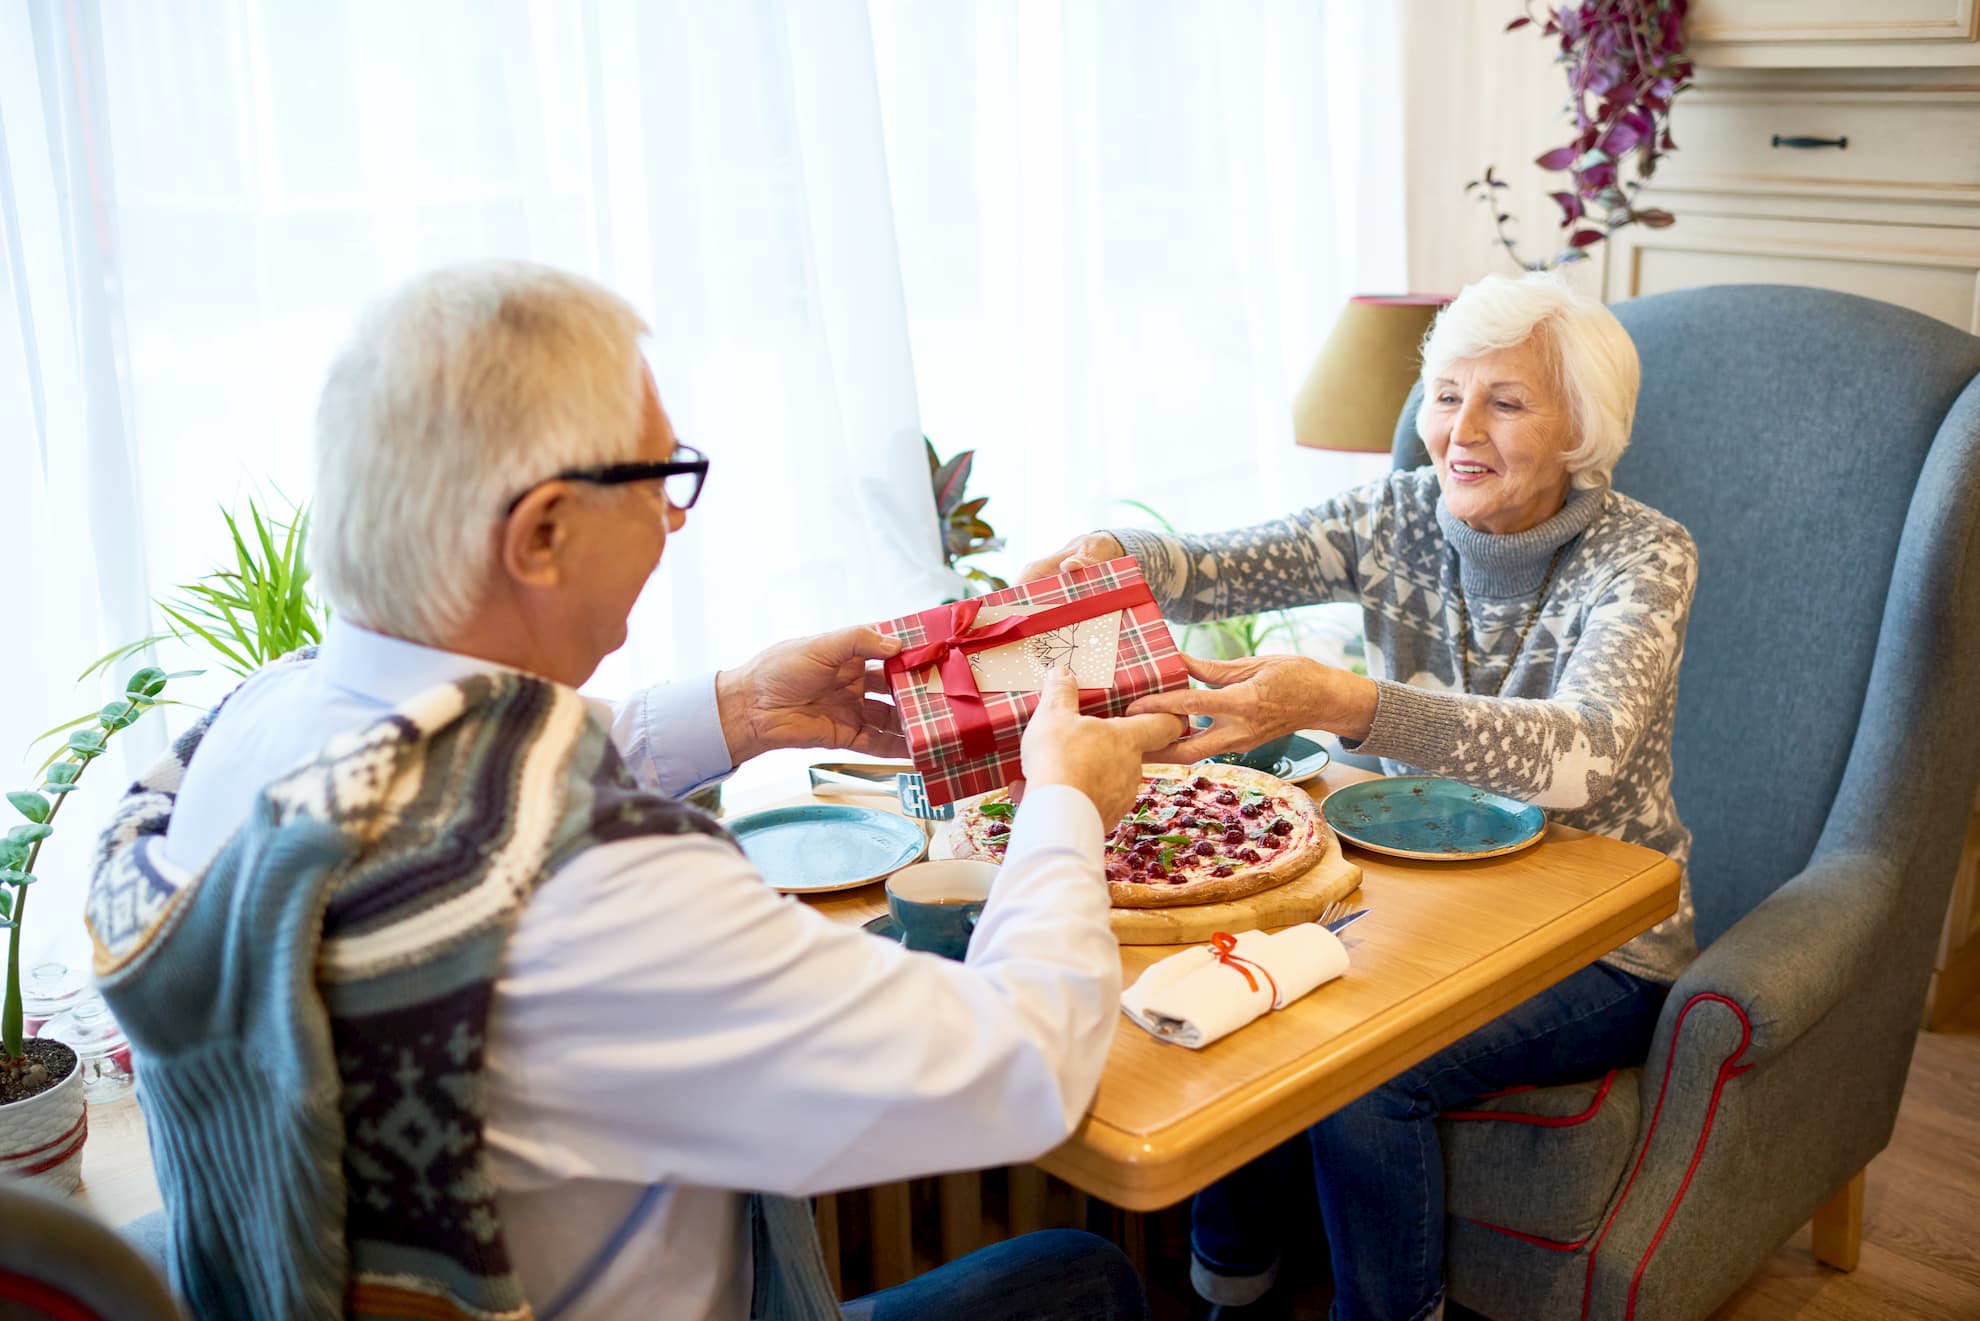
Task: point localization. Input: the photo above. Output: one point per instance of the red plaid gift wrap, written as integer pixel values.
(965, 742)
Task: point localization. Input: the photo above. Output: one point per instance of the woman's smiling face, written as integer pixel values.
(1499, 429)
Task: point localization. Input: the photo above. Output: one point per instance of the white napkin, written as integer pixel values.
(1193, 998)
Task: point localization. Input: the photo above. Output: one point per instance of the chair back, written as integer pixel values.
(1824, 452)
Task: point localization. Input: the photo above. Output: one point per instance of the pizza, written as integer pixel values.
(1202, 834)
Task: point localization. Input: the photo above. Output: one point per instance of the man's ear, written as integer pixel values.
(536, 536)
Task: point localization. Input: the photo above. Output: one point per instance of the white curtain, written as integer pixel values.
(1126, 228)
(1096, 242)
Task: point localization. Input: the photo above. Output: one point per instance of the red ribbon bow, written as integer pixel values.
(1226, 946)
(952, 634)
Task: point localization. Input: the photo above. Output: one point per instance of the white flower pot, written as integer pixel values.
(41, 1138)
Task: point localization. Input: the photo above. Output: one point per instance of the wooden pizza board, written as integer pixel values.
(1298, 900)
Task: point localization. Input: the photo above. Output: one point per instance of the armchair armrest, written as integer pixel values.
(1795, 956)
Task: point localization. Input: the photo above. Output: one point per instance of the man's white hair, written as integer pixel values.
(1595, 362)
(458, 393)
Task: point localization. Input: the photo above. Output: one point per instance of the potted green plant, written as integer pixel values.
(256, 607)
(41, 1099)
(251, 611)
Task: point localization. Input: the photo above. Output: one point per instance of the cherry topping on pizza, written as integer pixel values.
(1198, 834)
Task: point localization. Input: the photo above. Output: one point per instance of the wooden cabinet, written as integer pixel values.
(1833, 143)
(1865, 181)
(1834, 33)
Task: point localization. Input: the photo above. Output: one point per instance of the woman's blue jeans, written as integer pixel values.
(1065, 1274)
(1377, 1168)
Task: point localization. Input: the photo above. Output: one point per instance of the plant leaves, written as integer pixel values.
(1656, 219)
(30, 833)
(87, 741)
(1167, 526)
(1560, 158)
(1582, 238)
(1518, 23)
(108, 659)
(120, 715)
(951, 481)
(147, 682)
(66, 724)
(30, 804)
(64, 773)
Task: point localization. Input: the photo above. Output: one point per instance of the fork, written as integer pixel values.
(1339, 914)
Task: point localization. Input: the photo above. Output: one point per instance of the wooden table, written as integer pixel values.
(1447, 947)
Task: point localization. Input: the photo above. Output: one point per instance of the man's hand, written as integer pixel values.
(1100, 758)
(1079, 553)
(1258, 698)
(814, 692)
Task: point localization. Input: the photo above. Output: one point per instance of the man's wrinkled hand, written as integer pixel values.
(1099, 757)
(816, 692)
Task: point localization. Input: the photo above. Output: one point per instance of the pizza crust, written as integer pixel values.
(1305, 848)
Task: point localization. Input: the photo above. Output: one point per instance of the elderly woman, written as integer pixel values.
(1526, 623)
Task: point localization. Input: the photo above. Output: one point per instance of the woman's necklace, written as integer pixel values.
(1464, 620)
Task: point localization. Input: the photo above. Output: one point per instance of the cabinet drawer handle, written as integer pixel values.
(1840, 144)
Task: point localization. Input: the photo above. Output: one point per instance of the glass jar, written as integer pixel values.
(100, 1045)
(47, 992)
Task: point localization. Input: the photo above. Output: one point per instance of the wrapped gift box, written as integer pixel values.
(970, 672)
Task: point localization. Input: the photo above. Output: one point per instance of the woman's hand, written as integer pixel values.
(1258, 698)
(1079, 553)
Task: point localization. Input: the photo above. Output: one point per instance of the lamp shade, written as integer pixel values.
(1364, 372)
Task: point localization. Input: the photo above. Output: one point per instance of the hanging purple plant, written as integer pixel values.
(1625, 65)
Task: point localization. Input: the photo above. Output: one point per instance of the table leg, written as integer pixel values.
(827, 1213)
(1027, 1199)
(962, 1214)
(893, 1235)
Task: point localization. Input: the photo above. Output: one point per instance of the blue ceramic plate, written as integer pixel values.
(817, 847)
(1421, 816)
(1303, 758)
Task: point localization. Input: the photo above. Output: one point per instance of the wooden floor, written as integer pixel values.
(1921, 1216)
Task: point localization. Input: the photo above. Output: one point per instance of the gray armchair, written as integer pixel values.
(1824, 451)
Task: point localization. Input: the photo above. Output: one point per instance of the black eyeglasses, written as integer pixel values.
(680, 478)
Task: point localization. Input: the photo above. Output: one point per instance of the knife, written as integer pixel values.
(1340, 923)
(898, 780)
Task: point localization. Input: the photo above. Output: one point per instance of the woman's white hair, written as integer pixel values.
(1595, 362)
(458, 393)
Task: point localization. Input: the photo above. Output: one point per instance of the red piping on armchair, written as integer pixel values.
(1551, 1244)
(1544, 1121)
(1726, 1070)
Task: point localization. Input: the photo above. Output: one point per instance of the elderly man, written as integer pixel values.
(447, 1008)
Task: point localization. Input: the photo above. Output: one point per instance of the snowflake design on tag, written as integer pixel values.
(1052, 650)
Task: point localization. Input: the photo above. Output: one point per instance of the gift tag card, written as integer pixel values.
(1091, 647)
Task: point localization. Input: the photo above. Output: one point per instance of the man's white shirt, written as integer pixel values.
(663, 1017)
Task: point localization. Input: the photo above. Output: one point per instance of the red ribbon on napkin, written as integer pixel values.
(952, 635)
(1226, 946)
